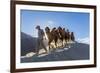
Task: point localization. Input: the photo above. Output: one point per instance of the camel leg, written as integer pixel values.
(49, 46)
(62, 43)
(66, 43)
(56, 44)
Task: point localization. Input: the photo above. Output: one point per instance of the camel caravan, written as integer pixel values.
(57, 37)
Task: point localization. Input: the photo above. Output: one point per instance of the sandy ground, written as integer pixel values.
(77, 51)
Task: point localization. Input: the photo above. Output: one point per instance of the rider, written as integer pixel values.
(40, 39)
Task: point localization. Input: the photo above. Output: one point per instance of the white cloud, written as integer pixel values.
(84, 40)
(50, 22)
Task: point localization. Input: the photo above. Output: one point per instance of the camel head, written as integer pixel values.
(47, 29)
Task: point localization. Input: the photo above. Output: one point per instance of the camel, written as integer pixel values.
(49, 36)
(72, 36)
(59, 33)
(52, 36)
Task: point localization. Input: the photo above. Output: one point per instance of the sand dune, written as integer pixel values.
(77, 51)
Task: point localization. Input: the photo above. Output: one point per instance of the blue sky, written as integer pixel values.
(77, 22)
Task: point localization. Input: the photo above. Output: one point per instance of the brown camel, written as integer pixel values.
(49, 36)
(52, 36)
(72, 36)
(61, 33)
